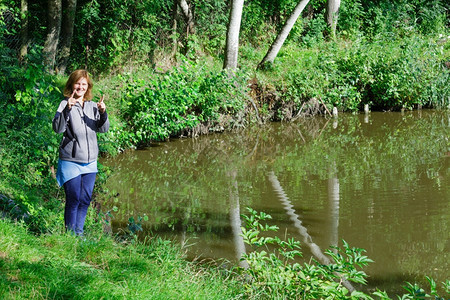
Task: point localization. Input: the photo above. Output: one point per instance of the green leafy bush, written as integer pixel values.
(158, 107)
(432, 17)
(387, 74)
(112, 34)
(313, 32)
(351, 18)
(274, 271)
(28, 146)
(211, 19)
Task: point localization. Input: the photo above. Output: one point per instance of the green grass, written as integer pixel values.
(62, 266)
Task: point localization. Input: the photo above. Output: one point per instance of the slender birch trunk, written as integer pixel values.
(232, 44)
(281, 37)
(332, 15)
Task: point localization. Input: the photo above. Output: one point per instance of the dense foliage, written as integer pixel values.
(384, 73)
(389, 54)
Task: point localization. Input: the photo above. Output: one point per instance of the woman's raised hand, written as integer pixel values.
(101, 105)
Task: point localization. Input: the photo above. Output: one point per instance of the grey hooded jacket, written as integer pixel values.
(79, 126)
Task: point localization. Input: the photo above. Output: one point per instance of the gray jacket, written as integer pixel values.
(79, 126)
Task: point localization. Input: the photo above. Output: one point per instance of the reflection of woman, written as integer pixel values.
(79, 119)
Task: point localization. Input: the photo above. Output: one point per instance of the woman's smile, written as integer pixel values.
(80, 87)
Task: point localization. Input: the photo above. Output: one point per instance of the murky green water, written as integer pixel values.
(378, 181)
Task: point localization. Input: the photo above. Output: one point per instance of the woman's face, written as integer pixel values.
(80, 88)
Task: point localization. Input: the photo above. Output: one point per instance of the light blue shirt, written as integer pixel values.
(68, 170)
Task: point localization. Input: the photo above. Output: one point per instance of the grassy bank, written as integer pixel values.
(62, 266)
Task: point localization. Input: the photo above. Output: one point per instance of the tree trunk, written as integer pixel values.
(188, 17)
(174, 31)
(279, 41)
(332, 15)
(53, 31)
(24, 29)
(66, 33)
(232, 44)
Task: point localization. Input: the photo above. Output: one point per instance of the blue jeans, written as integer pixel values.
(78, 198)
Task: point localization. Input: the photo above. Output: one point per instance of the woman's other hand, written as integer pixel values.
(71, 101)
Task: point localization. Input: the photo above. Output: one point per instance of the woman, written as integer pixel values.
(79, 119)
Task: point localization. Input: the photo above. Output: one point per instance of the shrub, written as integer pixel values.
(388, 74)
(28, 146)
(158, 107)
(276, 274)
(274, 271)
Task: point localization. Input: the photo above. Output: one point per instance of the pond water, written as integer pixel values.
(379, 181)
